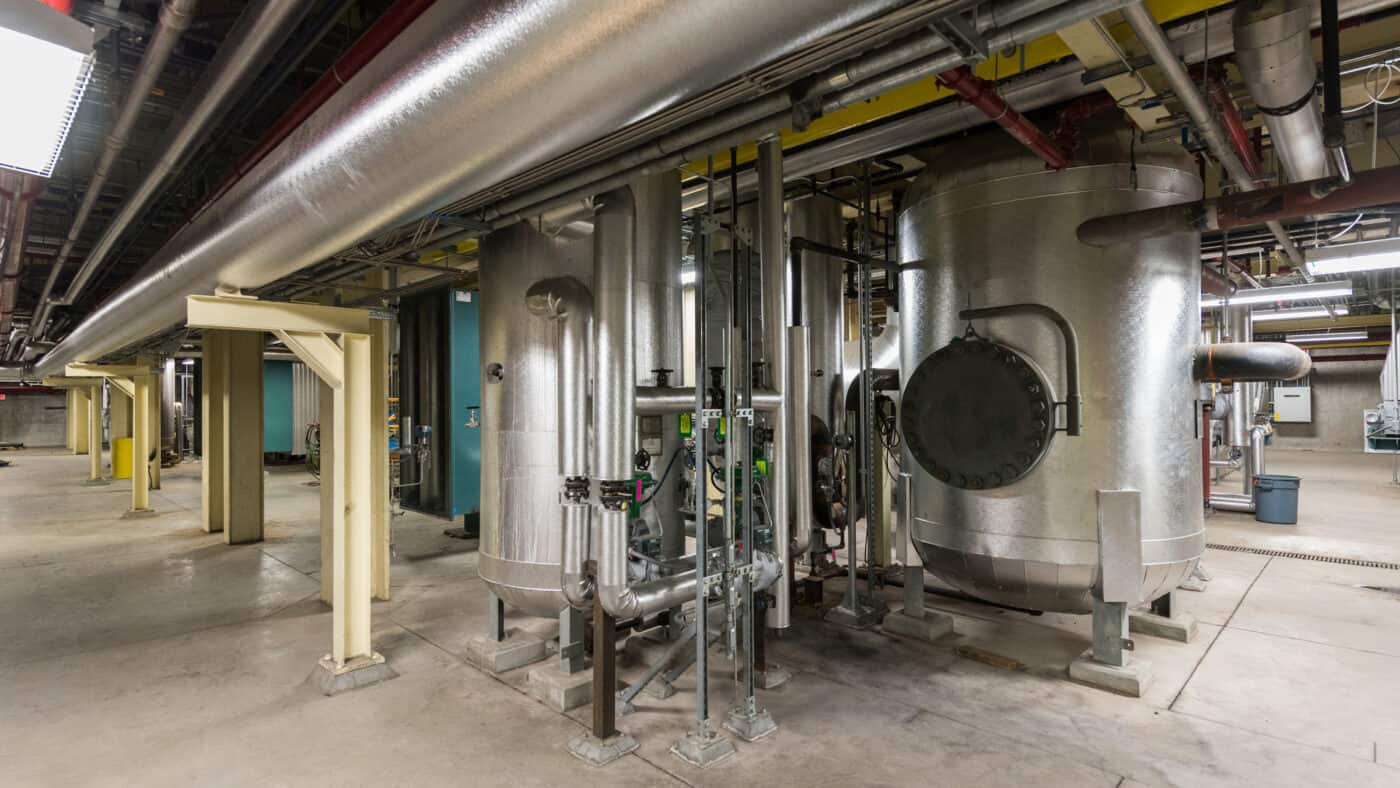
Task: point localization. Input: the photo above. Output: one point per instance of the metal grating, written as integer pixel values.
(1329, 559)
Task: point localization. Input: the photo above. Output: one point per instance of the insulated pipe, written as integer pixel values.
(174, 19)
(385, 29)
(773, 277)
(614, 414)
(1234, 124)
(21, 198)
(567, 301)
(1250, 361)
(981, 94)
(469, 95)
(1274, 53)
(1152, 38)
(1293, 201)
(668, 401)
(799, 393)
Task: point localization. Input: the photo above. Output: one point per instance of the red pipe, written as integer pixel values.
(385, 29)
(63, 6)
(982, 94)
(1234, 124)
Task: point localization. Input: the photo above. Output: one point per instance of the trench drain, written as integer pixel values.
(1328, 559)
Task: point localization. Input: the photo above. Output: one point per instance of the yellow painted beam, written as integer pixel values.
(65, 382)
(106, 370)
(318, 351)
(141, 445)
(250, 314)
(213, 375)
(1321, 323)
(1333, 345)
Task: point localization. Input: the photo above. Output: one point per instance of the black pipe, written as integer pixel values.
(1250, 361)
(1074, 410)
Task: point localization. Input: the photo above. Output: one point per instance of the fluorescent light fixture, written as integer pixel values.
(1353, 257)
(1336, 336)
(45, 60)
(1268, 295)
(1297, 313)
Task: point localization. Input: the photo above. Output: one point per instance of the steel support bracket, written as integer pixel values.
(961, 34)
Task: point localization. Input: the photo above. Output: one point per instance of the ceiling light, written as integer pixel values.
(1353, 257)
(1266, 295)
(1336, 336)
(45, 60)
(1297, 313)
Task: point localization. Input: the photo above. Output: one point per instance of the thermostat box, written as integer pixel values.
(1293, 404)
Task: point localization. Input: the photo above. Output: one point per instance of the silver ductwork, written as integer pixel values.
(1273, 49)
(260, 31)
(468, 95)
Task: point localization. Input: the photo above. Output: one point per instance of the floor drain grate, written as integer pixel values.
(1329, 559)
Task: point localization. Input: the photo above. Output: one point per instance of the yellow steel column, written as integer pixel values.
(213, 370)
(379, 446)
(326, 411)
(140, 445)
(155, 429)
(353, 460)
(94, 432)
(70, 427)
(81, 395)
(243, 438)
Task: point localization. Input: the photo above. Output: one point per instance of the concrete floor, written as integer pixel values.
(145, 652)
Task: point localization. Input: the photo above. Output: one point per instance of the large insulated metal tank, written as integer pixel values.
(520, 482)
(990, 226)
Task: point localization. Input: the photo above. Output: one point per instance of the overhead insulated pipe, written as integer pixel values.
(174, 19)
(615, 416)
(1152, 38)
(426, 122)
(1274, 53)
(21, 194)
(1250, 361)
(568, 302)
(259, 32)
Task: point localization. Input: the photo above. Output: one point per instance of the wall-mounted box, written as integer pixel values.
(1293, 404)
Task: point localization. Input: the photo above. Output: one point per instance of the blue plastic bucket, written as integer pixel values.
(1276, 499)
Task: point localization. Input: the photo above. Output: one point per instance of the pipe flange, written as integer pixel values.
(576, 489)
(977, 414)
(616, 494)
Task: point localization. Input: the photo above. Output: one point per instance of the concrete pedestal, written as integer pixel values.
(498, 656)
(597, 751)
(361, 672)
(703, 749)
(1181, 628)
(772, 677)
(750, 727)
(928, 626)
(1131, 678)
(559, 690)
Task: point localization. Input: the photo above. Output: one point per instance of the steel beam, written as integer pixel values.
(141, 445)
(94, 428)
(213, 371)
(81, 395)
(242, 426)
(242, 313)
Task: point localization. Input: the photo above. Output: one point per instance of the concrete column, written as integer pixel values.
(351, 479)
(119, 420)
(327, 416)
(94, 432)
(141, 445)
(213, 373)
(243, 438)
(79, 418)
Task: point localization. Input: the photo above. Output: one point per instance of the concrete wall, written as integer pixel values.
(33, 419)
(1340, 391)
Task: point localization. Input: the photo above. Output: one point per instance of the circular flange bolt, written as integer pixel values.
(977, 415)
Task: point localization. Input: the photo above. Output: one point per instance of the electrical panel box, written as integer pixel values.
(1293, 404)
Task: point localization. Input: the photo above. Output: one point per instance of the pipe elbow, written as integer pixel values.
(621, 602)
(578, 590)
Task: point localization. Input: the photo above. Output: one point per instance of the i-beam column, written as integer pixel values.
(94, 431)
(213, 370)
(81, 395)
(242, 440)
(347, 368)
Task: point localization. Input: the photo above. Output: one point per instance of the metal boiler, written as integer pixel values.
(989, 226)
(520, 514)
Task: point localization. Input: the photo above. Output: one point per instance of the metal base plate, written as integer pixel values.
(600, 752)
(750, 727)
(96, 483)
(703, 750)
(133, 514)
(771, 678)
